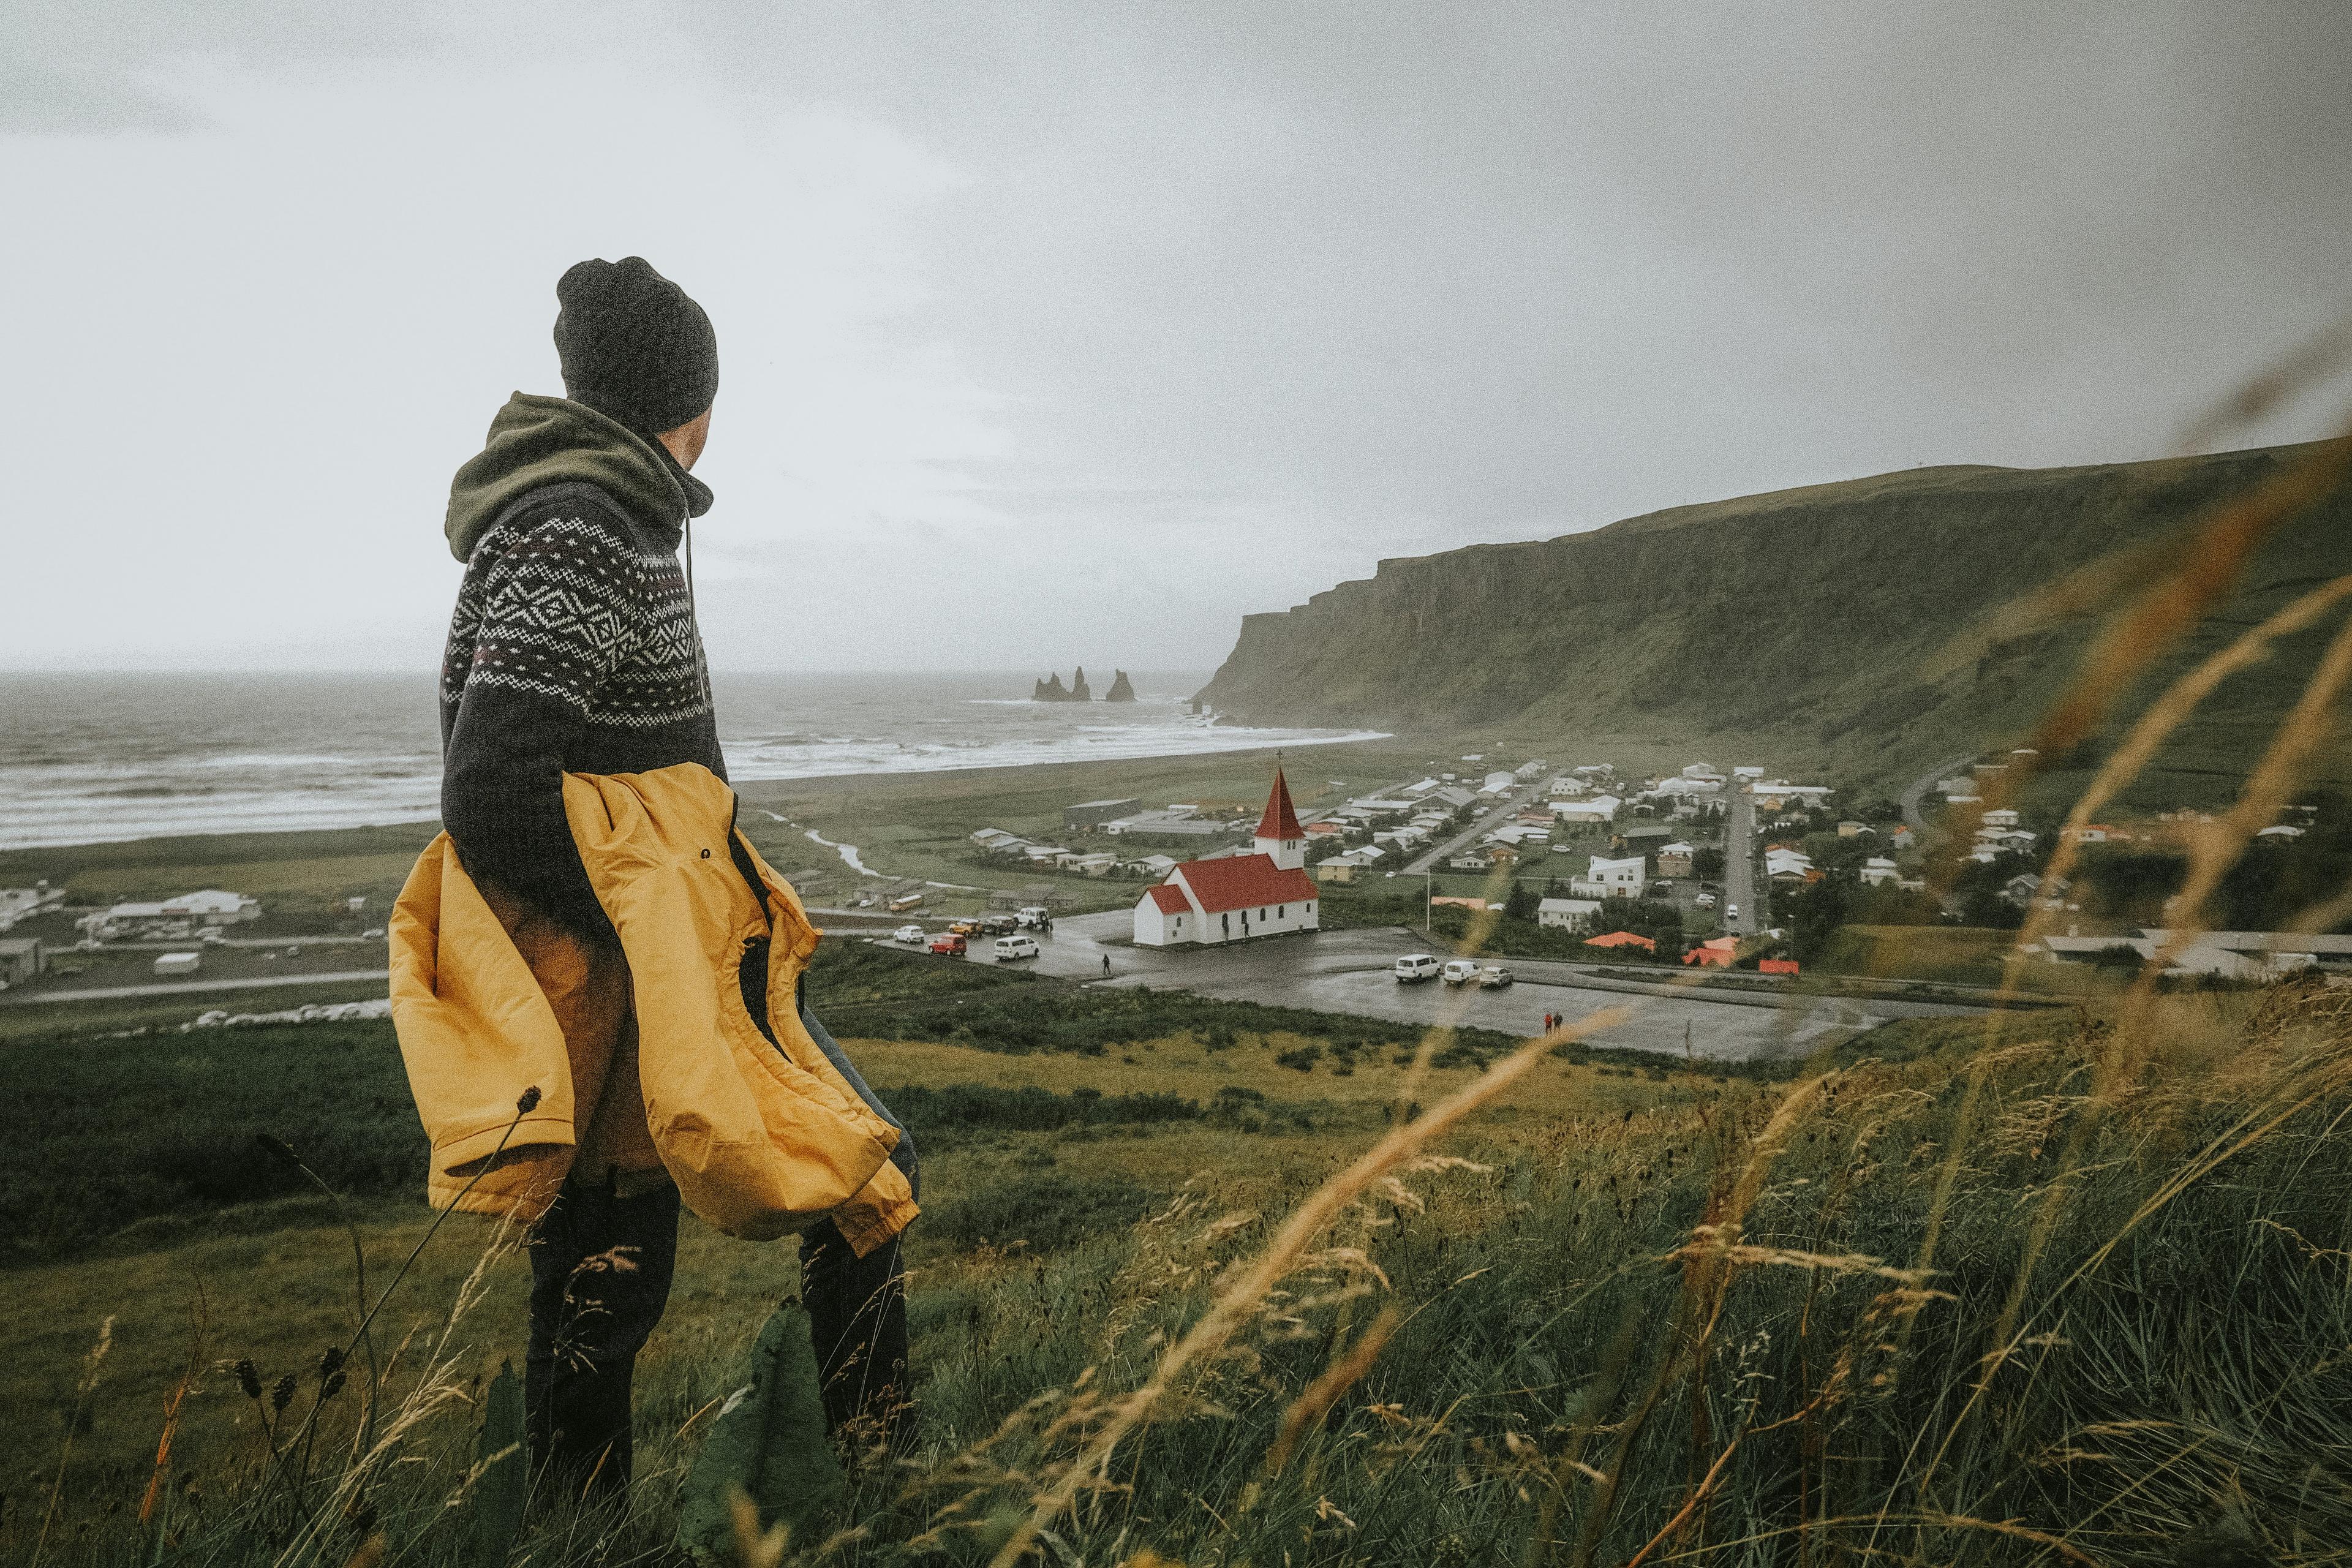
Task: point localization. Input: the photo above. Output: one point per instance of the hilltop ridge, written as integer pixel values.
(1811, 619)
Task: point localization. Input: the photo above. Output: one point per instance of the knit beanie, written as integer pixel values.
(633, 346)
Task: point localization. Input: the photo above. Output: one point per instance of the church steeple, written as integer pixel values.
(1279, 837)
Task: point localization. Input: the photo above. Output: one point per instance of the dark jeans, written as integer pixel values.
(601, 1267)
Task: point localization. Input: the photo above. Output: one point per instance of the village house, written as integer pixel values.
(1599, 808)
(23, 903)
(1675, 859)
(22, 958)
(1565, 912)
(1607, 878)
(1622, 939)
(1096, 813)
(2233, 954)
(1235, 896)
(1999, 817)
(210, 908)
(1877, 871)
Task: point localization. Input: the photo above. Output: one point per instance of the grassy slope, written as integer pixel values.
(1804, 626)
(138, 1173)
(2176, 1308)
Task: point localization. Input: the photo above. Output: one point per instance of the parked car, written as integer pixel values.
(1035, 915)
(1461, 971)
(999, 925)
(910, 934)
(1663, 885)
(966, 927)
(953, 946)
(1009, 948)
(1494, 977)
(1704, 900)
(1415, 967)
(1731, 911)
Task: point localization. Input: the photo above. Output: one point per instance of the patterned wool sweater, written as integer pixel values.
(573, 648)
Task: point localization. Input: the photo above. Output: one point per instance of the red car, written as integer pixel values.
(953, 946)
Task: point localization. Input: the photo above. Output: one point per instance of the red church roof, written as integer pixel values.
(1279, 821)
(1170, 899)
(1241, 881)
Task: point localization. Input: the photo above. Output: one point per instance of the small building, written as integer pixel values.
(1607, 878)
(1776, 966)
(1338, 868)
(23, 903)
(1902, 837)
(1879, 870)
(1095, 813)
(1599, 808)
(1999, 817)
(1675, 859)
(1623, 939)
(1850, 829)
(1471, 860)
(1717, 952)
(171, 964)
(21, 959)
(1459, 900)
(1565, 912)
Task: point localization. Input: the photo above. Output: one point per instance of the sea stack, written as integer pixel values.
(1051, 689)
(1121, 690)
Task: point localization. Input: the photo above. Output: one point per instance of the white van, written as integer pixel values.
(1414, 968)
(1009, 948)
(1461, 971)
(1036, 915)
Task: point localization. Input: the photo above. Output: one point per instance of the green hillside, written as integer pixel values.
(1813, 626)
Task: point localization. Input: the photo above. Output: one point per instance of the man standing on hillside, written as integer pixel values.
(573, 648)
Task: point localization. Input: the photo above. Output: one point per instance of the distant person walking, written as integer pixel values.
(1106, 966)
(574, 650)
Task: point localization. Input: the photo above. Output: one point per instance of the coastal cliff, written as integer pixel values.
(1826, 618)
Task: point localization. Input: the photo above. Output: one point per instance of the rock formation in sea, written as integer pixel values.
(1120, 689)
(1051, 689)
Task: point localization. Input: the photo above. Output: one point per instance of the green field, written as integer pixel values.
(1561, 1361)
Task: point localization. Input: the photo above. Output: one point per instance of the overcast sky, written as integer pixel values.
(1076, 333)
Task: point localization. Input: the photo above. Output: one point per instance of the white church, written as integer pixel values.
(1234, 896)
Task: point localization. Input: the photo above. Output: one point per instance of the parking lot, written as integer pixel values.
(1351, 971)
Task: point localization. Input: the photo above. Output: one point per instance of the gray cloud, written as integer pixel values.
(1295, 286)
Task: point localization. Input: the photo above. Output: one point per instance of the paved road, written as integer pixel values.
(1918, 788)
(190, 987)
(1351, 972)
(1741, 888)
(1512, 806)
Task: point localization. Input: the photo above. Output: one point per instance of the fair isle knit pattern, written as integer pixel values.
(570, 607)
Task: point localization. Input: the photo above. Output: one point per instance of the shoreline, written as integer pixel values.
(743, 787)
(416, 831)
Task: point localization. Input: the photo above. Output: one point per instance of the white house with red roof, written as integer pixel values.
(1234, 896)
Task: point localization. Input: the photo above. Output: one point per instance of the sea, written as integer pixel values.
(98, 758)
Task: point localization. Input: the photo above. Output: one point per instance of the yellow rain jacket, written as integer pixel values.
(762, 1140)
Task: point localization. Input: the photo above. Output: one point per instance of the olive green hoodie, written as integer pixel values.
(536, 441)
